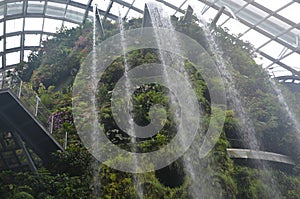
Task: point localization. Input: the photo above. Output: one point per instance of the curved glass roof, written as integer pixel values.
(273, 27)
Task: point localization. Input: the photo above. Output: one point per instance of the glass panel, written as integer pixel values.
(252, 14)
(32, 40)
(273, 49)
(291, 12)
(235, 27)
(12, 58)
(141, 4)
(175, 3)
(292, 37)
(262, 61)
(291, 60)
(134, 14)
(26, 54)
(14, 25)
(259, 40)
(33, 24)
(222, 19)
(103, 4)
(116, 8)
(15, 8)
(13, 42)
(233, 5)
(75, 14)
(1, 47)
(274, 26)
(2, 12)
(55, 9)
(274, 5)
(70, 25)
(279, 71)
(52, 25)
(278, 22)
(210, 14)
(45, 37)
(1, 28)
(35, 7)
(82, 1)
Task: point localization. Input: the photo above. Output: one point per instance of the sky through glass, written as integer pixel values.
(273, 28)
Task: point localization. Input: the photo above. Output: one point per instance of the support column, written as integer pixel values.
(26, 152)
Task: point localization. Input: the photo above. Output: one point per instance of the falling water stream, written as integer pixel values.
(283, 102)
(201, 185)
(95, 165)
(246, 125)
(128, 85)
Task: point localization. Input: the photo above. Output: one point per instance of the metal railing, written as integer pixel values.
(28, 97)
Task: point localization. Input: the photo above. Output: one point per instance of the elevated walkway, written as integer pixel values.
(22, 114)
(236, 153)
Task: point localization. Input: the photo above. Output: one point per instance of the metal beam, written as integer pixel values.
(17, 49)
(171, 6)
(18, 16)
(128, 5)
(125, 17)
(28, 32)
(26, 152)
(109, 15)
(288, 77)
(293, 71)
(180, 6)
(4, 41)
(86, 14)
(99, 23)
(275, 14)
(260, 30)
(108, 8)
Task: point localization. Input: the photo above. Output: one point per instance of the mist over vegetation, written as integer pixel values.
(51, 70)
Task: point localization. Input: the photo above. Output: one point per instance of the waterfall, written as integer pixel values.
(283, 102)
(201, 182)
(128, 85)
(93, 82)
(246, 124)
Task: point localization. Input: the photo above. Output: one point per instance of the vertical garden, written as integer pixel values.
(75, 173)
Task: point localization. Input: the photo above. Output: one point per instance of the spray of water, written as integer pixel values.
(128, 85)
(201, 182)
(284, 103)
(93, 81)
(246, 125)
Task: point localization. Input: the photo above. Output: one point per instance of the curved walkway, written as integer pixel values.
(259, 155)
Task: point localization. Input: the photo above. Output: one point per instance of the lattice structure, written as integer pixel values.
(24, 123)
(273, 27)
(14, 154)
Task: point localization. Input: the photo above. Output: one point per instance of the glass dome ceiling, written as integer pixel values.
(272, 27)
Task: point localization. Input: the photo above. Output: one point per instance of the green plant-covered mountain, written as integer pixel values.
(51, 71)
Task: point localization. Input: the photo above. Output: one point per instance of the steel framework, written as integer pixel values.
(275, 34)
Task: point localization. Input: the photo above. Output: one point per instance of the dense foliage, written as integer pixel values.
(75, 174)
